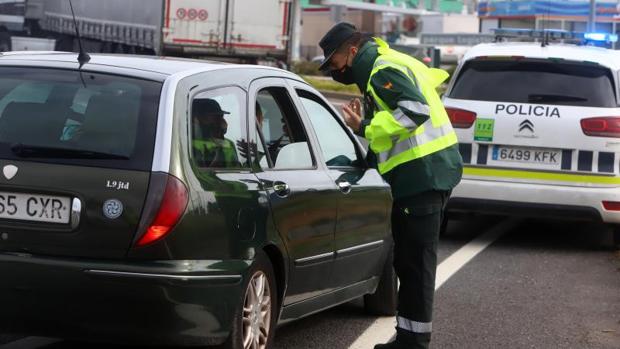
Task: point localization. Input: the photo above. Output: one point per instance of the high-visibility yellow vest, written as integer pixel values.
(206, 151)
(393, 138)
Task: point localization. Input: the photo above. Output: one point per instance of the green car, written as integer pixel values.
(165, 201)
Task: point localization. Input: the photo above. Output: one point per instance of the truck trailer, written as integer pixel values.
(238, 30)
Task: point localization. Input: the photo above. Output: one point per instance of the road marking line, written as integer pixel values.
(458, 259)
(382, 330)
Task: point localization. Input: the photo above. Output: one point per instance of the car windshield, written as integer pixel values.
(536, 82)
(95, 119)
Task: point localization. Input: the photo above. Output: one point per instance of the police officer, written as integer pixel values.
(415, 149)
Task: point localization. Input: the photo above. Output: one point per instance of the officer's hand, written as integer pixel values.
(351, 118)
(356, 105)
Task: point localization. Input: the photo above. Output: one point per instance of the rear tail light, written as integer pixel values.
(461, 118)
(606, 126)
(170, 210)
(611, 205)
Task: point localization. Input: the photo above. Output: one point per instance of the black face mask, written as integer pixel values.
(343, 76)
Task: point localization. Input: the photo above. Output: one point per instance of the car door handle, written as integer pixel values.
(345, 187)
(282, 189)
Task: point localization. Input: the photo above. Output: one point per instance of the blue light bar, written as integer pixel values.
(555, 34)
(601, 37)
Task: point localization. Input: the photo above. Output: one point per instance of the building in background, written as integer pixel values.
(569, 15)
(388, 18)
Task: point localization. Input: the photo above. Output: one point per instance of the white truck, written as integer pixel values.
(239, 30)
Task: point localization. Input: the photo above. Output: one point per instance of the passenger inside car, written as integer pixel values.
(242, 144)
(281, 127)
(210, 147)
(274, 146)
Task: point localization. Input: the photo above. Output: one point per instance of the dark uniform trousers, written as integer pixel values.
(416, 222)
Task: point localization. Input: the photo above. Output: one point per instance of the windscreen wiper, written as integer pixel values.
(33, 151)
(539, 98)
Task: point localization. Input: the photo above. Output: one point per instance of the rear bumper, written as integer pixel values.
(162, 303)
(535, 200)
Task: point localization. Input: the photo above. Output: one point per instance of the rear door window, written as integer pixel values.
(218, 132)
(58, 116)
(536, 82)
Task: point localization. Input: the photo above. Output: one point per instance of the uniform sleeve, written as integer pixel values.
(402, 95)
(361, 130)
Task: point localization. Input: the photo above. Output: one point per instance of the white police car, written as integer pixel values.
(539, 130)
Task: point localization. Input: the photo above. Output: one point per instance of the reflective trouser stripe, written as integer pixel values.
(414, 326)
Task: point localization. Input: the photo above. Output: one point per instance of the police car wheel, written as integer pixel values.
(5, 42)
(615, 231)
(384, 301)
(255, 320)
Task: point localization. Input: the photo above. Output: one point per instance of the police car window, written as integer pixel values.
(279, 126)
(29, 92)
(337, 147)
(39, 120)
(536, 82)
(217, 132)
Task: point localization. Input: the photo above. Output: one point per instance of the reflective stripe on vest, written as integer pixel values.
(404, 120)
(414, 141)
(417, 146)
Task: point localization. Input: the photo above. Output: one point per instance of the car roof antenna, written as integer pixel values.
(83, 57)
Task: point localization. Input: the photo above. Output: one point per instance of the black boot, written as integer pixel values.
(407, 340)
(391, 345)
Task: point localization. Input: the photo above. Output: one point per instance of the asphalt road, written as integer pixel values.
(538, 284)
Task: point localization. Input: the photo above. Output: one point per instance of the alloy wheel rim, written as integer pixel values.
(257, 312)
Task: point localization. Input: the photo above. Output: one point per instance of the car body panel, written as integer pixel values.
(586, 171)
(189, 284)
(76, 299)
(96, 236)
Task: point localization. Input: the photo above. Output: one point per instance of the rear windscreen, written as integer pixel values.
(62, 116)
(536, 82)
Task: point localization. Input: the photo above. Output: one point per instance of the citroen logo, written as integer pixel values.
(9, 171)
(526, 125)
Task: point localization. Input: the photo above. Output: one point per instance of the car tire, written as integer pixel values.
(255, 319)
(5, 42)
(385, 299)
(615, 237)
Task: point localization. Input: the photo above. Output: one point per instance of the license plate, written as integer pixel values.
(534, 157)
(35, 208)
